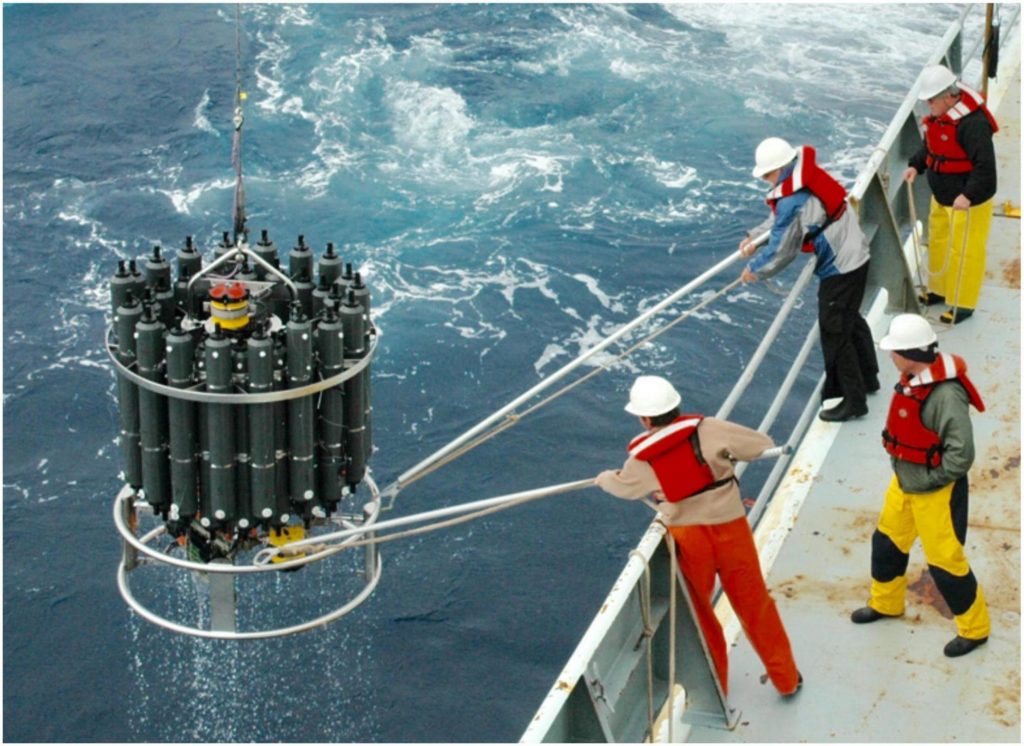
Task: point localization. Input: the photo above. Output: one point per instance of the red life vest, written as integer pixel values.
(905, 436)
(674, 454)
(945, 154)
(807, 174)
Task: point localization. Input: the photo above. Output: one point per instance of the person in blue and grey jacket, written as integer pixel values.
(810, 215)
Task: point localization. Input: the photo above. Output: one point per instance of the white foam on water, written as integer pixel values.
(605, 300)
(428, 118)
(514, 171)
(200, 121)
(183, 200)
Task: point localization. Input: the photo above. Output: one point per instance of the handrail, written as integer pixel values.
(766, 342)
(782, 394)
(876, 196)
(857, 192)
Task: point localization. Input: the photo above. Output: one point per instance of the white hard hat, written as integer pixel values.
(772, 153)
(934, 80)
(652, 396)
(908, 331)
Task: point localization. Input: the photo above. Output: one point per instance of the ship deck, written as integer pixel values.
(890, 681)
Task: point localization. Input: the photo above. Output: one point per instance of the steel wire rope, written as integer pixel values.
(238, 200)
(514, 417)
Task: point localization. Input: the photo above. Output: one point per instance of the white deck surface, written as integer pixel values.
(889, 681)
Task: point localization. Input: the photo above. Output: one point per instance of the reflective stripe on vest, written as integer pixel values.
(674, 454)
(945, 154)
(905, 436)
(807, 174)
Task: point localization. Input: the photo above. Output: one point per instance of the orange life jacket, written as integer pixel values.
(945, 154)
(807, 174)
(905, 436)
(674, 454)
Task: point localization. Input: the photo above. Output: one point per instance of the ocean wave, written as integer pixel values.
(428, 118)
(200, 120)
(183, 200)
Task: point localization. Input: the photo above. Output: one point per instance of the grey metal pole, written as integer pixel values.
(787, 385)
(689, 287)
(430, 515)
(762, 349)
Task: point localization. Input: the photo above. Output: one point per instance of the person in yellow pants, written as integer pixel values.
(956, 268)
(929, 438)
(959, 158)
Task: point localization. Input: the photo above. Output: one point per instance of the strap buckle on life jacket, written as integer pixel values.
(933, 456)
(712, 486)
(807, 245)
(938, 163)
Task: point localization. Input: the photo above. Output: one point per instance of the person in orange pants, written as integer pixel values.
(727, 549)
(686, 462)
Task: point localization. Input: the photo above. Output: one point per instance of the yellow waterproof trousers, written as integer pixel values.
(940, 519)
(949, 264)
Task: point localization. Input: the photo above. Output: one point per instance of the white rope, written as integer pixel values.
(963, 255)
(917, 245)
(645, 612)
(922, 285)
(672, 632)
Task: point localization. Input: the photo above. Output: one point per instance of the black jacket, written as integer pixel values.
(974, 134)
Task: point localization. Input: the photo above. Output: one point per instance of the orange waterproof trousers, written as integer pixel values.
(727, 549)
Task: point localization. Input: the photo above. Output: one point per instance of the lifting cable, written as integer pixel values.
(238, 203)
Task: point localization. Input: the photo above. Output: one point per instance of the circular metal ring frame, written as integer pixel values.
(143, 546)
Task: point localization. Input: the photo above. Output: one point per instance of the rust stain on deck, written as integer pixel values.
(1011, 273)
(1005, 703)
(924, 589)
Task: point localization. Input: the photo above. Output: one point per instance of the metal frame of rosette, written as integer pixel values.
(220, 575)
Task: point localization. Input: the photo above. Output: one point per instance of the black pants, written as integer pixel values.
(846, 340)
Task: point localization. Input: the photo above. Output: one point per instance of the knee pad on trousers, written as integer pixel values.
(887, 561)
(959, 592)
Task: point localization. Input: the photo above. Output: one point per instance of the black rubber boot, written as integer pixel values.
(962, 646)
(843, 412)
(866, 615)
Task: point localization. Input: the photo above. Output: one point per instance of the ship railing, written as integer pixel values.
(601, 695)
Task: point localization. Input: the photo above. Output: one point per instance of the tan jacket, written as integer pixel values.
(722, 444)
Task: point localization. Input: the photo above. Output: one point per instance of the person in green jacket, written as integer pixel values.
(929, 438)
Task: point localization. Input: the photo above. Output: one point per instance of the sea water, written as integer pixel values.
(515, 182)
